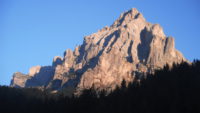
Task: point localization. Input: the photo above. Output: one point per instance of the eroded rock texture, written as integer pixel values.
(127, 49)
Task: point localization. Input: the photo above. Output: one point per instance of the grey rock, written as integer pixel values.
(39, 76)
(19, 80)
(126, 50)
(42, 78)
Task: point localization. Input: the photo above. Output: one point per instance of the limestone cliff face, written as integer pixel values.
(38, 76)
(127, 49)
(19, 80)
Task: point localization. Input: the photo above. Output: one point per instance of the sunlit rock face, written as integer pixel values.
(127, 49)
(38, 76)
(34, 70)
(19, 80)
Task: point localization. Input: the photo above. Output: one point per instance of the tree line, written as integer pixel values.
(169, 90)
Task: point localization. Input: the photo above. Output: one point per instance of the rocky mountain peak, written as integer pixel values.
(126, 50)
(127, 17)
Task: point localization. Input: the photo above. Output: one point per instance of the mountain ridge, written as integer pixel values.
(126, 50)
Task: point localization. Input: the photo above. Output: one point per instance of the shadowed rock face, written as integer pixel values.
(128, 48)
(37, 77)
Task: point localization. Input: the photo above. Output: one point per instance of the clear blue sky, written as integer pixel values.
(32, 32)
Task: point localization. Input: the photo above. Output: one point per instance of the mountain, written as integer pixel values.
(126, 50)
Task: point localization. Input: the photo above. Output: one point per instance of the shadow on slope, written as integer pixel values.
(170, 90)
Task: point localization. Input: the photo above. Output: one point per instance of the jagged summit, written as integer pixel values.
(127, 49)
(127, 17)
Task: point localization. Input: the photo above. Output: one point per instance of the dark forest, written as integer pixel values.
(169, 90)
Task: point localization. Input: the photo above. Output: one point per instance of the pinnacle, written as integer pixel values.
(128, 16)
(134, 11)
